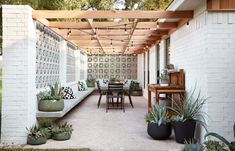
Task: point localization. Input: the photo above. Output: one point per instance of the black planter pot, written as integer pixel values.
(36, 140)
(159, 132)
(184, 131)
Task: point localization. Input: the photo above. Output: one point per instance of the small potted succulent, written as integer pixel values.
(159, 126)
(212, 145)
(62, 131)
(164, 78)
(188, 111)
(231, 145)
(46, 124)
(192, 146)
(36, 136)
(51, 101)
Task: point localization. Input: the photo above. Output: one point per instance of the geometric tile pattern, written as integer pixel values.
(108, 66)
(47, 57)
(70, 76)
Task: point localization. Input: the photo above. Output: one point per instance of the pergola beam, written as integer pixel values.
(111, 25)
(111, 14)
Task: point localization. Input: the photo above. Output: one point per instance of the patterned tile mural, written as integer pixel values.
(70, 76)
(47, 57)
(108, 66)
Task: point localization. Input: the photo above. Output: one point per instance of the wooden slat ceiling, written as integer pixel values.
(124, 32)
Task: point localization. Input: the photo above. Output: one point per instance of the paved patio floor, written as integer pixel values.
(112, 131)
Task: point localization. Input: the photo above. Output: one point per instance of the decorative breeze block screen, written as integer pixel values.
(70, 76)
(47, 57)
(112, 65)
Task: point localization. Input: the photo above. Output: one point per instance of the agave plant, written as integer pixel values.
(63, 128)
(158, 115)
(189, 107)
(55, 93)
(231, 145)
(191, 146)
(36, 132)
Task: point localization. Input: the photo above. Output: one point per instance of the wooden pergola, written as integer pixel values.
(124, 31)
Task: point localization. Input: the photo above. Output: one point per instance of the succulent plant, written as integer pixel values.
(231, 145)
(158, 115)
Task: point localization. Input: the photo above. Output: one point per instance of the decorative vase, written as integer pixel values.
(184, 131)
(51, 105)
(36, 140)
(61, 136)
(159, 132)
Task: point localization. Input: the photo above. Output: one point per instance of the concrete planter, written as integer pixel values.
(36, 140)
(61, 136)
(51, 105)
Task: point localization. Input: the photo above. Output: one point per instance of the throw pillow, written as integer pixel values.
(68, 93)
(82, 86)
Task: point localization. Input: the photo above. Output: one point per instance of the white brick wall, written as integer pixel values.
(19, 72)
(206, 51)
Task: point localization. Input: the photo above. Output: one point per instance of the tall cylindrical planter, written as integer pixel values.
(51, 105)
(159, 132)
(184, 131)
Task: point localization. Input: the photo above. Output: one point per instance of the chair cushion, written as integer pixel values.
(68, 93)
(82, 85)
(127, 83)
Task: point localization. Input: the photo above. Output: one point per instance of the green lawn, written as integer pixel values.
(28, 149)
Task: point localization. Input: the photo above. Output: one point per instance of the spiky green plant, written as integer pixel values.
(45, 122)
(36, 132)
(231, 145)
(191, 146)
(189, 107)
(62, 128)
(158, 115)
(55, 93)
(213, 146)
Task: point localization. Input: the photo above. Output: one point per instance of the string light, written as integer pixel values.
(125, 29)
(69, 32)
(157, 25)
(111, 43)
(132, 44)
(187, 25)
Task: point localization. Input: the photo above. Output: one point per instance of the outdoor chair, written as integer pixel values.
(101, 92)
(115, 91)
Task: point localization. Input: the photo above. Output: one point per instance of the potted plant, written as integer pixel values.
(231, 145)
(90, 82)
(159, 126)
(62, 132)
(211, 145)
(188, 111)
(36, 136)
(191, 146)
(164, 78)
(46, 124)
(51, 101)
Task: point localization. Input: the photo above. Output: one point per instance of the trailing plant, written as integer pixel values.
(159, 115)
(191, 146)
(231, 145)
(213, 146)
(36, 132)
(55, 93)
(62, 128)
(189, 107)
